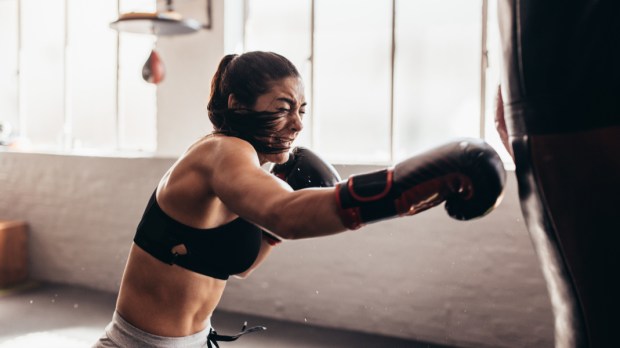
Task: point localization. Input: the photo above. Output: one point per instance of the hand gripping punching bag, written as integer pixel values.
(561, 98)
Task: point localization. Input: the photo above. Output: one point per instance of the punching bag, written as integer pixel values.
(153, 70)
(561, 98)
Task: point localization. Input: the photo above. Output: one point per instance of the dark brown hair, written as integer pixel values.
(247, 77)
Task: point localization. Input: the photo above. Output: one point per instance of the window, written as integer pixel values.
(282, 26)
(383, 81)
(388, 79)
(69, 82)
(8, 70)
(352, 63)
(436, 73)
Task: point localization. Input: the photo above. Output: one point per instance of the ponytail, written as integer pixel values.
(218, 100)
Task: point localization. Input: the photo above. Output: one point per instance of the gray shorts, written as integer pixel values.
(121, 334)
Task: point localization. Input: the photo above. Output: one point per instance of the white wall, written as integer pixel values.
(427, 277)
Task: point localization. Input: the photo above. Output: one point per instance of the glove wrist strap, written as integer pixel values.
(365, 198)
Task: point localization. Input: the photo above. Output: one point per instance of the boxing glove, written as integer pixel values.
(304, 169)
(467, 174)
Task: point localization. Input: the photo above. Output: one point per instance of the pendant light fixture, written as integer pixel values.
(164, 23)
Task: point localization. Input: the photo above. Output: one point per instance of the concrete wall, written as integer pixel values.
(471, 284)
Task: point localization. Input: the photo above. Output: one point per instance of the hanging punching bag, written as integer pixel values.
(153, 70)
(561, 92)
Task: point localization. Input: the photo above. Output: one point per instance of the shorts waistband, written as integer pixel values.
(124, 334)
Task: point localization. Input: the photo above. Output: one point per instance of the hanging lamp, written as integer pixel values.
(164, 23)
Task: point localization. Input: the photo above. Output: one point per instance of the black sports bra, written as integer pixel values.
(216, 252)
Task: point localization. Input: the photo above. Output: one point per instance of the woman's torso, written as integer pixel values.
(165, 299)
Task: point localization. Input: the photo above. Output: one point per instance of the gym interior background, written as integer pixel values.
(85, 141)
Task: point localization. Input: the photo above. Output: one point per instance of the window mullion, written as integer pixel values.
(392, 60)
(313, 133)
(117, 108)
(67, 128)
(484, 64)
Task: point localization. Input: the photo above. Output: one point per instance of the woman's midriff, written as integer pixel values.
(166, 300)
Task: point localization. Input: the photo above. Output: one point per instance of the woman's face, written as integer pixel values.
(287, 98)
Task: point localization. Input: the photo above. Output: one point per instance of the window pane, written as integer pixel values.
(137, 99)
(42, 72)
(9, 118)
(283, 26)
(91, 74)
(352, 63)
(437, 73)
(68, 76)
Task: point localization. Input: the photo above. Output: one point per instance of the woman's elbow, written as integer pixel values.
(282, 225)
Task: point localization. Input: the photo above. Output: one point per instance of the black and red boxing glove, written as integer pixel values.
(467, 174)
(304, 169)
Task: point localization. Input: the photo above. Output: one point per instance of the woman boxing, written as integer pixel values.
(217, 213)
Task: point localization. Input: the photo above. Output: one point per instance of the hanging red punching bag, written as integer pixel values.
(153, 70)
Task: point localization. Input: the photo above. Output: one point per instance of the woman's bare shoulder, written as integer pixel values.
(208, 157)
(215, 149)
(215, 141)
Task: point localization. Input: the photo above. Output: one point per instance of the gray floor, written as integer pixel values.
(53, 315)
